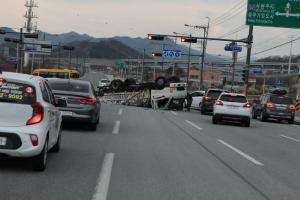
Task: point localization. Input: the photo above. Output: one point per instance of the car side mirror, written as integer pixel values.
(61, 103)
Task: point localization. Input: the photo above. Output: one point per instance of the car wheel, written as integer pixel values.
(263, 118)
(247, 123)
(291, 121)
(40, 161)
(57, 146)
(203, 112)
(254, 115)
(93, 126)
(214, 120)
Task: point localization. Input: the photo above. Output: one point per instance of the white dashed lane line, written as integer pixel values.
(116, 129)
(174, 113)
(251, 159)
(103, 182)
(194, 125)
(290, 138)
(120, 112)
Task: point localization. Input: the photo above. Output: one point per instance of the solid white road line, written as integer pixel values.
(120, 112)
(174, 113)
(194, 125)
(241, 153)
(104, 178)
(116, 129)
(290, 138)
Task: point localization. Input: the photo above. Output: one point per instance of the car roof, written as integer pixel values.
(215, 89)
(234, 94)
(21, 77)
(59, 80)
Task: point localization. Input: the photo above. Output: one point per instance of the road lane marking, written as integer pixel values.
(194, 125)
(242, 153)
(120, 112)
(174, 113)
(116, 129)
(290, 138)
(103, 182)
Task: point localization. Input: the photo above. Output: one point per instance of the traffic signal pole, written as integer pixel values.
(248, 60)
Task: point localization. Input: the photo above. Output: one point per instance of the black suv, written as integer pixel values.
(209, 100)
(275, 105)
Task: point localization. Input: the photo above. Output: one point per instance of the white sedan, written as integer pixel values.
(232, 107)
(197, 99)
(30, 123)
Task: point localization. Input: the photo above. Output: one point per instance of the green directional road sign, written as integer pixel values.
(119, 65)
(274, 13)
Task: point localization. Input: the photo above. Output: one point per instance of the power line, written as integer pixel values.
(225, 19)
(236, 30)
(228, 11)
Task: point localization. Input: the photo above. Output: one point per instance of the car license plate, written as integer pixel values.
(67, 113)
(3, 141)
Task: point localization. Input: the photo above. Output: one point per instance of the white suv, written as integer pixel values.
(232, 107)
(30, 123)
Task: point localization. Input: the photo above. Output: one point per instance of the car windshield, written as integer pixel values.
(69, 86)
(232, 98)
(281, 100)
(214, 94)
(17, 93)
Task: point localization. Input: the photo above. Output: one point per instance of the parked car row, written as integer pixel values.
(226, 106)
(32, 111)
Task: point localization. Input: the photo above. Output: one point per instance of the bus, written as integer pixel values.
(57, 73)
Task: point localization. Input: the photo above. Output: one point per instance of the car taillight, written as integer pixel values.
(89, 101)
(207, 98)
(34, 140)
(219, 103)
(269, 105)
(247, 105)
(292, 107)
(37, 115)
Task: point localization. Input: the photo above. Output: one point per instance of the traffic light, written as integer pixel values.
(154, 54)
(156, 37)
(68, 48)
(245, 74)
(46, 46)
(31, 35)
(189, 39)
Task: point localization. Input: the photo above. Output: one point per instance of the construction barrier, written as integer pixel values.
(297, 105)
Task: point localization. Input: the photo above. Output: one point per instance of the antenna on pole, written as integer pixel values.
(29, 15)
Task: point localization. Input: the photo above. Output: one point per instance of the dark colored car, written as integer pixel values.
(82, 103)
(274, 106)
(209, 100)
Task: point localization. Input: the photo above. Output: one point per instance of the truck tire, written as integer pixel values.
(116, 85)
(161, 82)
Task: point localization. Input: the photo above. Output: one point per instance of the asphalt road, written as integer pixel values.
(141, 154)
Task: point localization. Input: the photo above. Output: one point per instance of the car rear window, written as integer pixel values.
(214, 94)
(17, 93)
(281, 100)
(105, 81)
(235, 99)
(62, 75)
(70, 86)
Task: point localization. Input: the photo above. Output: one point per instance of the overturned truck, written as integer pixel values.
(162, 94)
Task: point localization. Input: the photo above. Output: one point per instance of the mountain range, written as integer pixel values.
(115, 47)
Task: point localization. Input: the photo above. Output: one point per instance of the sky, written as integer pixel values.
(137, 18)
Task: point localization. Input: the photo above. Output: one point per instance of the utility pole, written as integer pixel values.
(291, 55)
(189, 62)
(143, 64)
(204, 46)
(20, 57)
(30, 15)
(248, 60)
(234, 58)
